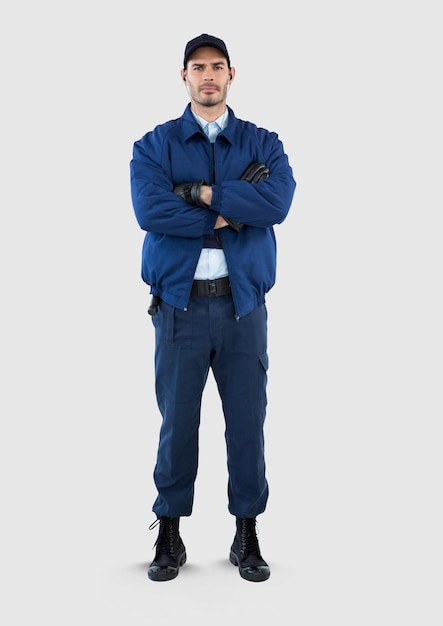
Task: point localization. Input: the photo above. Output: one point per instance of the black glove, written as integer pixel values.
(191, 193)
(254, 173)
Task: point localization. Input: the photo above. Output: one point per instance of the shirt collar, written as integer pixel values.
(221, 121)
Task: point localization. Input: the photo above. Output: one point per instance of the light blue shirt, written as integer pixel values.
(211, 129)
(212, 261)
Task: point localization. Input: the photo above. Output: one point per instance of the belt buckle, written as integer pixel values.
(212, 288)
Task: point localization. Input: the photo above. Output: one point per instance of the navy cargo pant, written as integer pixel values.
(189, 343)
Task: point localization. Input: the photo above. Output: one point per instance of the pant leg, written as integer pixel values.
(240, 366)
(181, 369)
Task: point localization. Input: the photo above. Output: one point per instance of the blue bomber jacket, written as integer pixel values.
(178, 151)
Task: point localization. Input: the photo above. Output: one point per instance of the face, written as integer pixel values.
(207, 77)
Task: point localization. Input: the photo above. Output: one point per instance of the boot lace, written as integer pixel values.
(248, 537)
(165, 539)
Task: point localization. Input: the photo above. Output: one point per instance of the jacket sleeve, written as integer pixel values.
(157, 208)
(262, 204)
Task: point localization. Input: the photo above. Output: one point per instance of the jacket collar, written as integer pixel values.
(190, 126)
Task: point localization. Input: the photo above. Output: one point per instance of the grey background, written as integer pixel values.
(353, 527)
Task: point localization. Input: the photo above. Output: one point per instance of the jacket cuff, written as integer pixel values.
(216, 198)
(211, 218)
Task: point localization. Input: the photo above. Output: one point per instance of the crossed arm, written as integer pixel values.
(199, 193)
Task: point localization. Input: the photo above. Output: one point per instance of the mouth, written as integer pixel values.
(208, 88)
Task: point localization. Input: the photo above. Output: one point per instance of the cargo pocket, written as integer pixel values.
(264, 360)
(263, 376)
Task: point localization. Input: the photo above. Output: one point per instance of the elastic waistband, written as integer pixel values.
(216, 287)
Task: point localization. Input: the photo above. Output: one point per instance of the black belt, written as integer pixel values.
(216, 287)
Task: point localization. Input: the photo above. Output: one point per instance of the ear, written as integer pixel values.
(183, 74)
(231, 73)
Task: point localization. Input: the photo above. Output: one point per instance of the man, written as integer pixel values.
(208, 188)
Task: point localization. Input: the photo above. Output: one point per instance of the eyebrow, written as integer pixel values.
(204, 64)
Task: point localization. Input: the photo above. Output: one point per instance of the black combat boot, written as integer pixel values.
(245, 552)
(170, 551)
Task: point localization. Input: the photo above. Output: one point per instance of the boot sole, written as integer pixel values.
(165, 574)
(254, 577)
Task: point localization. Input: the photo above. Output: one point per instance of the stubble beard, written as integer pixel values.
(211, 100)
